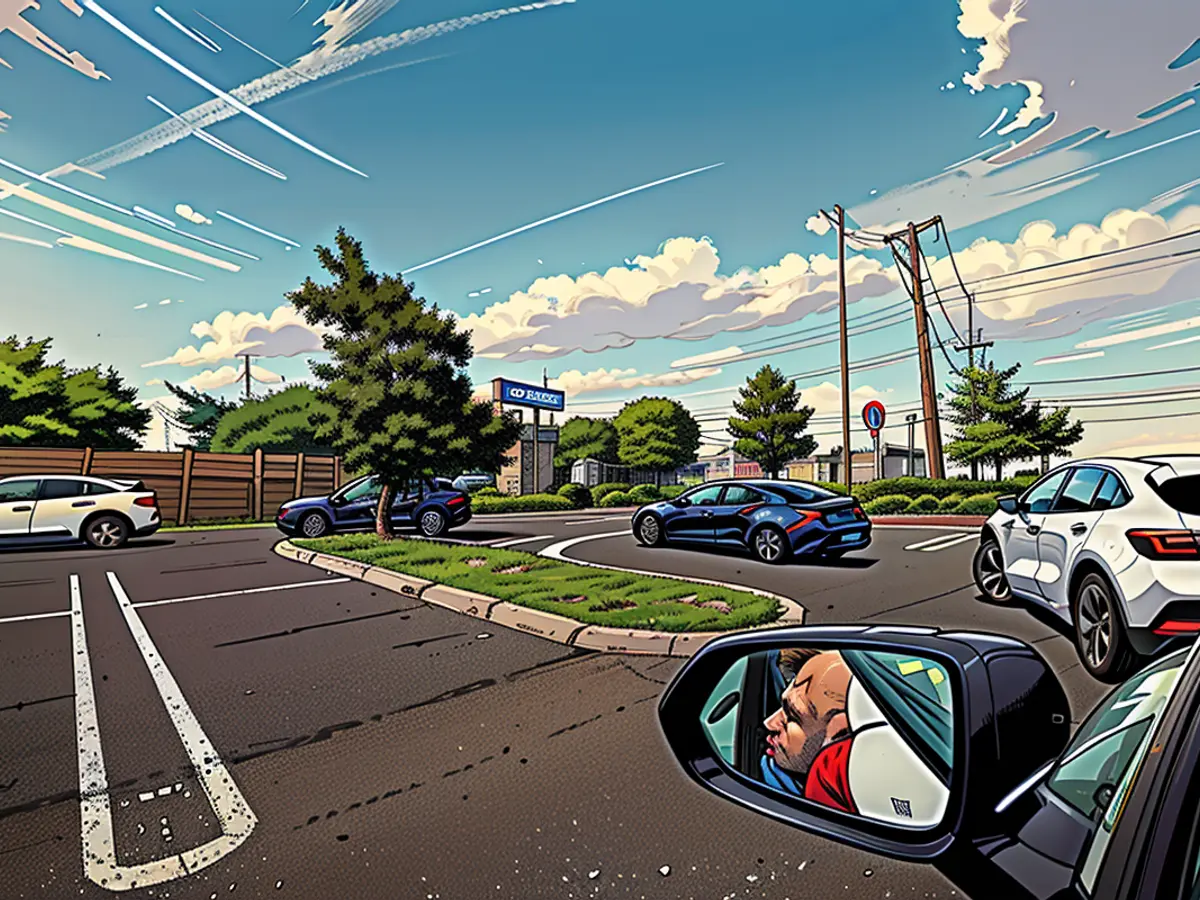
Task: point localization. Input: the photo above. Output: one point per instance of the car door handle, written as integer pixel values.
(1034, 529)
(1078, 528)
(80, 503)
(22, 508)
(708, 515)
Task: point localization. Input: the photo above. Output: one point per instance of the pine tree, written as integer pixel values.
(200, 415)
(1003, 426)
(1055, 432)
(770, 422)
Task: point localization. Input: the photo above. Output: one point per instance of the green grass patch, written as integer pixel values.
(588, 595)
(217, 525)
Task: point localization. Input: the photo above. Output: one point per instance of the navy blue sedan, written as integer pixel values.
(431, 505)
(774, 520)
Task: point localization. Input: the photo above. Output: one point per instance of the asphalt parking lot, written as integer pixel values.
(385, 748)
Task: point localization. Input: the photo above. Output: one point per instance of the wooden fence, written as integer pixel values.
(192, 486)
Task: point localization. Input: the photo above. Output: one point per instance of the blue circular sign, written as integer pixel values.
(873, 415)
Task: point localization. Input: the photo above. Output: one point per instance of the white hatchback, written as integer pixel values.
(54, 508)
(1112, 546)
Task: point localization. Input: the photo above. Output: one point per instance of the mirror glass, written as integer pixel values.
(865, 732)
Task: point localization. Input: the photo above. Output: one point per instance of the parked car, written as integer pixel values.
(1108, 545)
(774, 520)
(469, 483)
(431, 505)
(952, 749)
(66, 508)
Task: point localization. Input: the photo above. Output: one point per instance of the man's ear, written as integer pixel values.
(839, 725)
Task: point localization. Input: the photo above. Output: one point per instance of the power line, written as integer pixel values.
(1089, 378)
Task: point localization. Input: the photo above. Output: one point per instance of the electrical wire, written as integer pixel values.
(933, 284)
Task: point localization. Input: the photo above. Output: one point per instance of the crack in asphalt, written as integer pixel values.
(640, 675)
(884, 612)
(31, 583)
(302, 628)
(24, 703)
(213, 566)
(423, 641)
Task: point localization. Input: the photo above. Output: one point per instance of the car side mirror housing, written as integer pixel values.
(1009, 504)
(681, 502)
(906, 742)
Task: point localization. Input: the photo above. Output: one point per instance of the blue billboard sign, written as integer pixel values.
(530, 395)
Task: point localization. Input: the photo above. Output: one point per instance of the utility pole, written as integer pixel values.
(974, 342)
(911, 419)
(844, 342)
(246, 374)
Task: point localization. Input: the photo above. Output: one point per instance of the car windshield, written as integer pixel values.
(1103, 748)
(799, 492)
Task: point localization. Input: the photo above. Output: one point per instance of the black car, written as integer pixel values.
(431, 505)
(953, 749)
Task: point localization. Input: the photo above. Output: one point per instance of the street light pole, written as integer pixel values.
(845, 350)
(911, 419)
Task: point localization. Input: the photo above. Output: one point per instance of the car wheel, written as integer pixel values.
(988, 570)
(433, 522)
(106, 532)
(770, 545)
(1100, 637)
(314, 525)
(649, 531)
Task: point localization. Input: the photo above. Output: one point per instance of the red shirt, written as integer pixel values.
(828, 780)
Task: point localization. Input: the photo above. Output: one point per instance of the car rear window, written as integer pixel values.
(801, 493)
(1181, 494)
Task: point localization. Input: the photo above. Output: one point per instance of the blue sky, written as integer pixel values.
(505, 122)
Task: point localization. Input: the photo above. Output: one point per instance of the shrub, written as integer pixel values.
(600, 490)
(578, 494)
(926, 503)
(948, 504)
(487, 491)
(645, 493)
(832, 486)
(887, 505)
(527, 503)
(671, 491)
(977, 505)
(917, 487)
(617, 498)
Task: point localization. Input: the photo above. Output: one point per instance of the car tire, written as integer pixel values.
(1100, 637)
(770, 545)
(987, 567)
(649, 531)
(106, 532)
(433, 523)
(313, 525)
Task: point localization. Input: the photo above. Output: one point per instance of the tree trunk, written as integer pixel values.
(1045, 463)
(974, 470)
(383, 521)
(999, 470)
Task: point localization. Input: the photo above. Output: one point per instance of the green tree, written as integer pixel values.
(1055, 432)
(200, 414)
(45, 405)
(283, 422)
(401, 402)
(770, 422)
(584, 438)
(656, 435)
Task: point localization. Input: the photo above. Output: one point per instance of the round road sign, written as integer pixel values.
(874, 415)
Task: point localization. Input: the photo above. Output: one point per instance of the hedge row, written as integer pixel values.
(929, 504)
(526, 503)
(913, 488)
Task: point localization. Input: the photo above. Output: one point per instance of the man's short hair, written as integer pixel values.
(792, 660)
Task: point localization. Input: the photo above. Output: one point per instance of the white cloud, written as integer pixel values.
(163, 302)
(1144, 443)
(826, 398)
(575, 382)
(818, 225)
(1097, 64)
(676, 294)
(141, 306)
(1141, 334)
(714, 356)
(283, 333)
(196, 218)
(1076, 357)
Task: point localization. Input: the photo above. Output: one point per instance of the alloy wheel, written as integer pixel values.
(769, 545)
(431, 523)
(1095, 625)
(649, 530)
(106, 533)
(313, 527)
(991, 572)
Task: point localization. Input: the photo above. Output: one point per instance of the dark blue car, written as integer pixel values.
(431, 505)
(774, 520)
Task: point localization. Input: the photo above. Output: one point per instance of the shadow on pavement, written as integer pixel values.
(19, 549)
(819, 562)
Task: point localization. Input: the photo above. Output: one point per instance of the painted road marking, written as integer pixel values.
(589, 521)
(948, 544)
(257, 590)
(524, 540)
(936, 540)
(35, 616)
(97, 837)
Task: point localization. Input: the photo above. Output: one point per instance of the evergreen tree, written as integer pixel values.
(770, 422)
(282, 422)
(200, 414)
(401, 404)
(1055, 432)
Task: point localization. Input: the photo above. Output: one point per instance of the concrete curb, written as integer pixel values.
(534, 621)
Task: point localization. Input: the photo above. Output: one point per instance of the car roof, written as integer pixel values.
(66, 476)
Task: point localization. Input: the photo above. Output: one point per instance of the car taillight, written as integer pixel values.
(858, 513)
(151, 501)
(748, 509)
(807, 516)
(454, 501)
(1161, 544)
(1175, 628)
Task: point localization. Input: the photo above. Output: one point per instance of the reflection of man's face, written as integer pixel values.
(812, 711)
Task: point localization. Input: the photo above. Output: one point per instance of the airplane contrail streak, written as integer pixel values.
(205, 42)
(253, 50)
(219, 144)
(212, 88)
(263, 231)
(557, 216)
(318, 64)
(992, 127)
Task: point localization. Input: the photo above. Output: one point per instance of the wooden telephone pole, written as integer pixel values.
(847, 470)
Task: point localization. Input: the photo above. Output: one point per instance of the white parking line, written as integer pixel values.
(35, 616)
(936, 540)
(524, 540)
(257, 590)
(555, 551)
(589, 521)
(946, 545)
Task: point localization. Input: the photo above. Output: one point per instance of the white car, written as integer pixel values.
(53, 508)
(1112, 546)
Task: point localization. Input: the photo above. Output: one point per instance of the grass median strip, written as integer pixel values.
(588, 595)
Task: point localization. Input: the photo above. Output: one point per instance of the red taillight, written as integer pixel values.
(454, 501)
(748, 509)
(151, 501)
(859, 513)
(1159, 544)
(1175, 628)
(807, 516)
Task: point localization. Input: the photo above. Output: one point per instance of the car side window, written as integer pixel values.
(1042, 494)
(365, 490)
(706, 496)
(1111, 495)
(11, 491)
(738, 495)
(62, 488)
(1078, 494)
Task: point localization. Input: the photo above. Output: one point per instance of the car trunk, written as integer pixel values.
(835, 510)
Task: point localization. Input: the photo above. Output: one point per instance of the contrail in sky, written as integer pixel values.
(253, 50)
(561, 215)
(316, 64)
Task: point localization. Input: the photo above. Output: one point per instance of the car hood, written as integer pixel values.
(305, 501)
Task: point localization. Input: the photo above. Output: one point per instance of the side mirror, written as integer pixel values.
(681, 502)
(1009, 504)
(906, 742)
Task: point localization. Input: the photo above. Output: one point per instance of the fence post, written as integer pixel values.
(337, 472)
(185, 485)
(298, 489)
(86, 467)
(257, 491)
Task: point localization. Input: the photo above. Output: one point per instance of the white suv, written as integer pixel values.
(1112, 546)
(53, 508)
